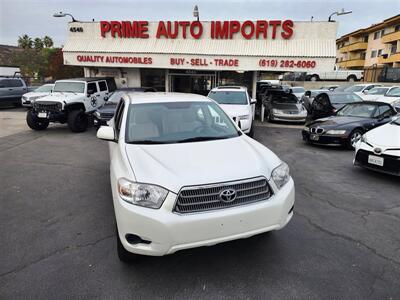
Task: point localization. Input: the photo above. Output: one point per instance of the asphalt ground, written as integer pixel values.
(58, 229)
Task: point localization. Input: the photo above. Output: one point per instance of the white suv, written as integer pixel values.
(236, 102)
(71, 101)
(183, 175)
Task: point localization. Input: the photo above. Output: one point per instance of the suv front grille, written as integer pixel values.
(207, 197)
(51, 106)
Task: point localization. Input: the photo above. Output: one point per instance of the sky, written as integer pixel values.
(34, 17)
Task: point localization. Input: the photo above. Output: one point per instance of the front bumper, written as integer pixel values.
(99, 121)
(289, 117)
(324, 139)
(170, 232)
(391, 163)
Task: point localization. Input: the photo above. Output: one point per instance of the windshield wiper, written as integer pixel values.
(203, 138)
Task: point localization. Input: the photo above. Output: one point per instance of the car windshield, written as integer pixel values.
(44, 88)
(72, 87)
(355, 88)
(378, 91)
(344, 98)
(115, 97)
(298, 90)
(284, 98)
(395, 92)
(177, 122)
(358, 110)
(229, 97)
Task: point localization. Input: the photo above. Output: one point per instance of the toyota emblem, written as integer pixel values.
(378, 150)
(228, 195)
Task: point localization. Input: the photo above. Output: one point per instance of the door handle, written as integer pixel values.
(10, 89)
(97, 95)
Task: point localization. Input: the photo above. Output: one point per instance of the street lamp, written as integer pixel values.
(196, 12)
(339, 13)
(61, 15)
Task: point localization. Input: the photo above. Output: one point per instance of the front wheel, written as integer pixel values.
(77, 121)
(35, 123)
(354, 137)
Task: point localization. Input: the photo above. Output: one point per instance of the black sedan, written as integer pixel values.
(348, 124)
(106, 111)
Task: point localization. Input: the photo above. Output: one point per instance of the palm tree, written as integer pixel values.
(48, 41)
(25, 41)
(38, 43)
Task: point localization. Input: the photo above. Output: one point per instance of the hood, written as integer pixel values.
(176, 165)
(35, 94)
(388, 99)
(335, 121)
(236, 110)
(286, 106)
(371, 97)
(61, 97)
(387, 136)
(108, 107)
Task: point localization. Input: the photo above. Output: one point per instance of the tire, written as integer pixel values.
(353, 137)
(251, 132)
(351, 78)
(123, 254)
(270, 119)
(77, 121)
(35, 123)
(314, 78)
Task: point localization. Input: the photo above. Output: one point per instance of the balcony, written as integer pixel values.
(392, 58)
(352, 63)
(357, 46)
(391, 37)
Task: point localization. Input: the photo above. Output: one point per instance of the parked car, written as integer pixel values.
(336, 74)
(11, 90)
(329, 87)
(236, 102)
(298, 91)
(28, 98)
(391, 97)
(326, 104)
(379, 149)
(360, 89)
(348, 124)
(281, 105)
(375, 93)
(105, 112)
(71, 101)
(180, 168)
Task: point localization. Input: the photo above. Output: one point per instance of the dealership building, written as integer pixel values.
(195, 56)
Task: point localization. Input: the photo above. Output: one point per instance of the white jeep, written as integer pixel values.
(71, 101)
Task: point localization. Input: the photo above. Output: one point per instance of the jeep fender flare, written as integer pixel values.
(74, 106)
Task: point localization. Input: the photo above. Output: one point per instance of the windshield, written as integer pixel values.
(44, 88)
(358, 110)
(177, 122)
(355, 88)
(72, 87)
(298, 90)
(115, 97)
(284, 98)
(395, 92)
(344, 98)
(229, 97)
(378, 91)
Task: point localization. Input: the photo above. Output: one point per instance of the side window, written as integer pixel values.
(3, 83)
(15, 83)
(118, 115)
(385, 111)
(102, 86)
(92, 87)
(369, 87)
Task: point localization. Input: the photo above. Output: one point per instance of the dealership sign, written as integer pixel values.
(261, 29)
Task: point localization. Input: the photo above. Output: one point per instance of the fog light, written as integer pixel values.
(134, 239)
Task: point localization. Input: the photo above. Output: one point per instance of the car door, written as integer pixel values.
(116, 148)
(102, 92)
(92, 91)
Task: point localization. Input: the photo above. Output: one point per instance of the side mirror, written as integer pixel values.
(307, 94)
(365, 92)
(106, 133)
(253, 101)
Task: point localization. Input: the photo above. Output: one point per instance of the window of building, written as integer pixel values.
(382, 32)
(373, 53)
(380, 52)
(397, 28)
(362, 55)
(376, 35)
(154, 78)
(365, 39)
(393, 50)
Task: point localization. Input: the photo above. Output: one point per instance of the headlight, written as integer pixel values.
(141, 194)
(306, 129)
(97, 114)
(34, 98)
(336, 132)
(246, 117)
(277, 111)
(280, 175)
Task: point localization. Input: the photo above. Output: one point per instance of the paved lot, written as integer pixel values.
(57, 230)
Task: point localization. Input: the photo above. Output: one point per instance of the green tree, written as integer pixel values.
(48, 42)
(38, 44)
(25, 42)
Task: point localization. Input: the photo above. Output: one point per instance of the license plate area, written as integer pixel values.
(375, 160)
(314, 137)
(42, 115)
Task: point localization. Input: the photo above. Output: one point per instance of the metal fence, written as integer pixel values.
(381, 74)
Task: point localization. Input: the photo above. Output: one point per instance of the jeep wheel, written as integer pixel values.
(314, 78)
(35, 123)
(77, 121)
(123, 254)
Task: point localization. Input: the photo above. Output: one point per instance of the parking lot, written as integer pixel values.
(58, 228)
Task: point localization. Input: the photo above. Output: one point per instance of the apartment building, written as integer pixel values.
(376, 45)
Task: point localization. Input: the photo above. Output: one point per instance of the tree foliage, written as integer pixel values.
(25, 42)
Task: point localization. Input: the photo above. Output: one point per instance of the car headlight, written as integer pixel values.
(280, 175)
(34, 98)
(277, 111)
(97, 114)
(141, 194)
(246, 117)
(336, 132)
(306, 128)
